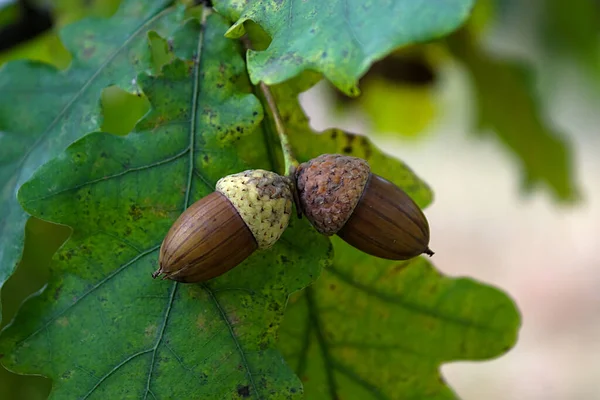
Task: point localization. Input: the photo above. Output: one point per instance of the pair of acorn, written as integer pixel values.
(251, 210)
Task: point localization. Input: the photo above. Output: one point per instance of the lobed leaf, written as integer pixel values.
(341, 38)
(376, 329)
(43, 110)
(103, 328)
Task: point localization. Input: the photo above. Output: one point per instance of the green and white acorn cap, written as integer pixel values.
(264, 201)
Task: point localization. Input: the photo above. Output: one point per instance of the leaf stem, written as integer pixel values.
(288, 154)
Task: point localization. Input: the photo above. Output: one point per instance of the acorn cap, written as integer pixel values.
(339, 195)
(264, 201)
(248, 210)
(329, 188)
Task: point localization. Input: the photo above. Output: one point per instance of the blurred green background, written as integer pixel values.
(501, 118)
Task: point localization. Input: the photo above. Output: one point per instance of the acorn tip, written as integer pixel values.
(429, 252)
(156, 273)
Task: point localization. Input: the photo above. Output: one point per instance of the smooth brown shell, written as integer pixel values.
(387, 223)
(207, 240)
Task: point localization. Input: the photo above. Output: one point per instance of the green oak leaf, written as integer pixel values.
(103, 328)
(36, 124)
(338, 38)
(378, 329)
(507, 108)
(375, 329)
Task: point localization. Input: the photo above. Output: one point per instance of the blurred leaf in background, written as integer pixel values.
(572, 29)
(398, 92)
(395, 100)
(507, 107)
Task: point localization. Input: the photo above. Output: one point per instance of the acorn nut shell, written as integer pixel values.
(340, 195)
(247, 211)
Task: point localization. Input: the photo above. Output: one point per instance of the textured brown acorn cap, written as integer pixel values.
(329, 188)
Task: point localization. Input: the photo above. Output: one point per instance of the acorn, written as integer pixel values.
(247, 211)
(340, 195)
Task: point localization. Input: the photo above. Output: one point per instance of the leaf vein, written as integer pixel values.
(233, 337)
(115, 369)
(160, 337)
(104, 178)
(408, 305)
(102, 282)
(327, 359)
(44, 136)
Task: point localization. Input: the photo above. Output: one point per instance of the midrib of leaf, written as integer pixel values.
(331, 365)
(187, 196)
(327, 359)
(191, 172)
(301, 368)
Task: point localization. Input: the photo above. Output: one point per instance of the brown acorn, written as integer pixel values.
(339, 195)
(247, 211)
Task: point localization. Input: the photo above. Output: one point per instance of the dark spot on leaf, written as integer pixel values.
(220, 85)
(332, 287)
(205, 158)
(88, 52)
(324, 54)
(334, 134)
(135, 212)
(255, 113)
(57, 292)
(284, 259)
(347, 149)
(103, 154)
(364, 142)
